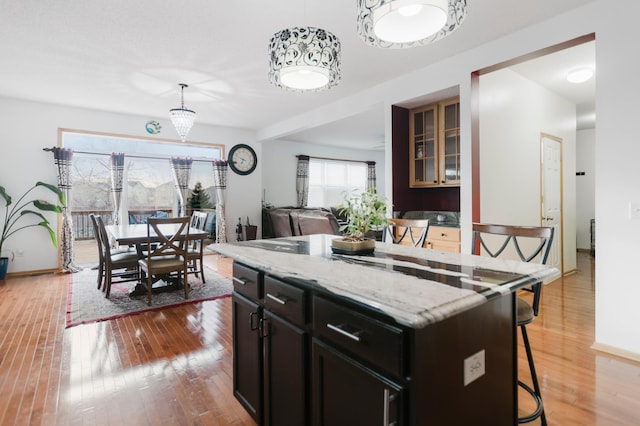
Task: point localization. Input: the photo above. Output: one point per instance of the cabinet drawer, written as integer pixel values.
(443, 246)
(379, 343)
(444, 233)
(247, 281)
(285, 300)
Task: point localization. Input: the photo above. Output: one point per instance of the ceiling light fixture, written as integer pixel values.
(408, 23)
(579, 75)
(182, 118)
(304, 59)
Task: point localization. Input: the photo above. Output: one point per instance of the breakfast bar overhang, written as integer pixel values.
(404, 336)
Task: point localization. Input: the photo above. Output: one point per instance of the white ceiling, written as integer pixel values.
(129, 56)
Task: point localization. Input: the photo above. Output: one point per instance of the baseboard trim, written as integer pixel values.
(32, 273)
(616, 351)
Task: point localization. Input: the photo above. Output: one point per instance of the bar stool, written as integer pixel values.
(494, 240)
(406, 231)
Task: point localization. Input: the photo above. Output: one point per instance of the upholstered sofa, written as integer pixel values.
(290, 221)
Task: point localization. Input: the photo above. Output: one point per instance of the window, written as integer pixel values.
(331, 180)
(149, 180)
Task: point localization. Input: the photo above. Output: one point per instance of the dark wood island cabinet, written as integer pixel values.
(403, 337)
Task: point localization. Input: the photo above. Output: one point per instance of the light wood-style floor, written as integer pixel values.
(173, 367)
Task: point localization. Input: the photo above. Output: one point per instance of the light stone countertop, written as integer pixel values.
(415, 286)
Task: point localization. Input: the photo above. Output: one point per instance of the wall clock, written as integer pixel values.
(242, 159)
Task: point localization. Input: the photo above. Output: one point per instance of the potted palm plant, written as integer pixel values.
(16, 215)
(364, 212)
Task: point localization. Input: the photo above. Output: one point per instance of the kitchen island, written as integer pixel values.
(405, 336)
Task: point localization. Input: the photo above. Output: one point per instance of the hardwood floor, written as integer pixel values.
(174, 367)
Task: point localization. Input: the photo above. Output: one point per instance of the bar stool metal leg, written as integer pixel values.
(535, 392)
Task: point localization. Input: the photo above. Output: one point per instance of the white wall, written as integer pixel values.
(514, 111)
(28, 127)
(585, 186)
(617, 150)
(617, 177)
(280, 162)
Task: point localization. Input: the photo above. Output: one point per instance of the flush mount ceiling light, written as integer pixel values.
(579, 75)
(408, 23)
(304, 59)
(182, 118)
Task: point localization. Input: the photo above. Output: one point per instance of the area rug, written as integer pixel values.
(87, 304)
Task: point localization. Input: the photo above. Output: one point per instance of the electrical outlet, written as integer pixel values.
(473, 367)
(20, 253)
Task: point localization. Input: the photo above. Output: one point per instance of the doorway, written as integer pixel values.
(513, 102)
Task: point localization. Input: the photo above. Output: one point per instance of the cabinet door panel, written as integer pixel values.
(285, 372)
(434, 132)
(347, 393)
(247, 356)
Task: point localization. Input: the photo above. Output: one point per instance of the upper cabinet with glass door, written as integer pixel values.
(435, 145)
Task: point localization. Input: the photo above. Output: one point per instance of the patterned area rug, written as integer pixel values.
(86, 304)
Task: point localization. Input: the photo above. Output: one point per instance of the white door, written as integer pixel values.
(551, 194)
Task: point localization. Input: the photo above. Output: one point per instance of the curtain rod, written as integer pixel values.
(133, 156)
(336, 159)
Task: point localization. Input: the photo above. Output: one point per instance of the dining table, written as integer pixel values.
(138, 235)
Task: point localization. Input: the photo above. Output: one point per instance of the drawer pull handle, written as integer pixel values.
(276, 299)
(388, 398)
(241, 281)
(385, 412)
(337, 329)
(252, 317)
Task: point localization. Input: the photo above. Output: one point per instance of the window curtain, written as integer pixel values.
(220, 183)
(181, 174)
(117, 173)
(371, 175)
(63, 159)
(302, 180)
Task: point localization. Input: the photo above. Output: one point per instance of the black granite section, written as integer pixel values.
(488, 276)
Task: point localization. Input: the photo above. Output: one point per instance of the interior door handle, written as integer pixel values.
(547, 218)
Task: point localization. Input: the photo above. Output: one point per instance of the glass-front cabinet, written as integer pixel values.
(435, 145)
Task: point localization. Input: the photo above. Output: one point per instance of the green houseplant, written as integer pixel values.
(15, 215)
(364, 212)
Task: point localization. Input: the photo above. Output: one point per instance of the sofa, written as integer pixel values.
(290, 221)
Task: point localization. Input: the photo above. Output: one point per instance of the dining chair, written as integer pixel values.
(406, 231)
(529, 244)
(120, 264)
(169, 256)
(99, 243)
(96, 235)
(195, 251)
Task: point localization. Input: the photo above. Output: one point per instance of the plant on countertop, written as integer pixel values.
(364, 212)
(15, 212)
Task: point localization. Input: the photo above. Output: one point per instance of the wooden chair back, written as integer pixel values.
(96, 234)
(170, 236)
(198, 220)
(407, 231)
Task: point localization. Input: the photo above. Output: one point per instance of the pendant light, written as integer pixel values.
(408, 23)
(304, 59)
(182, 118)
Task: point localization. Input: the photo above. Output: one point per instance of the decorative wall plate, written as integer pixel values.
(153, 127)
